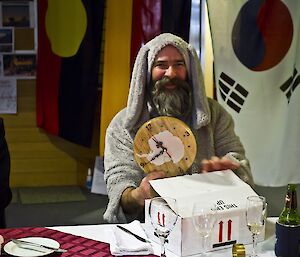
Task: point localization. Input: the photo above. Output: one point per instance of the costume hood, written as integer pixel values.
(137, 111)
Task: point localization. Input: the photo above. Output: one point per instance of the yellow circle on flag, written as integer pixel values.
(66, 23)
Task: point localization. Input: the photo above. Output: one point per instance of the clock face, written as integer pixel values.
(165, 143)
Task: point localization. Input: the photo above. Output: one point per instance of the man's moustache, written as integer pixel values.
(167, 81)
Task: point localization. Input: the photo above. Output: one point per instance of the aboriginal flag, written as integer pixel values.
(69, 43)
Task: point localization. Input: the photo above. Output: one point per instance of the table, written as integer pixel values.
(103, 233)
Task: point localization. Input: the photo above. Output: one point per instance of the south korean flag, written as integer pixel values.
(256, 50)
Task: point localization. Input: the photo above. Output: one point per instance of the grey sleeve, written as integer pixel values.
(121, 170)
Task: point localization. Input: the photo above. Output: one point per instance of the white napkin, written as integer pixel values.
(123, 243)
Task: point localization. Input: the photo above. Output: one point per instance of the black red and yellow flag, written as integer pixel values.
(69, 43)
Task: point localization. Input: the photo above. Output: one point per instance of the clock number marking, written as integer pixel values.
(186, 134)
(143, 164)
(180, 170)
(149, 127)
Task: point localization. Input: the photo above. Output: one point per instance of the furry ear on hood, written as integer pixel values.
(137, 110)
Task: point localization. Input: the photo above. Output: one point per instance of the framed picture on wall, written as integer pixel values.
(21, 16)
(24, 40)
(17, 14)
(19, 65)
(6, 40)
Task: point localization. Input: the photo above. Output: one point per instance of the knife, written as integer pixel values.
(22, 243)
(135, 235)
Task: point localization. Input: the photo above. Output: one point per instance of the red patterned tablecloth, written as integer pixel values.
(77, 246)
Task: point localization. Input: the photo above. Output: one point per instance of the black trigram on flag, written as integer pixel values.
(233, 94)
(290, 85)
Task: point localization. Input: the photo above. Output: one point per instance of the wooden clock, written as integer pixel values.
(165, 143)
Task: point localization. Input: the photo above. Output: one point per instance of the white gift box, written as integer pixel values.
(224, 189)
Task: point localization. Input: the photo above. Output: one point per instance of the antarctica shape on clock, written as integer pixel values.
(165, 143)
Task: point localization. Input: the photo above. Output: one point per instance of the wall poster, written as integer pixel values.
(8, 95)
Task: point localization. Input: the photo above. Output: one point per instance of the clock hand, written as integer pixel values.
(154, 139)
(160, 144)
(166, 150)
(157, 155)
(143, 164)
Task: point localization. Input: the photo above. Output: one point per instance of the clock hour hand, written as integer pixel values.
(157, 155)
(159, 144)
(143, 164)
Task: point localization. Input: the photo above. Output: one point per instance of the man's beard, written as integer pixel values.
(176, 102)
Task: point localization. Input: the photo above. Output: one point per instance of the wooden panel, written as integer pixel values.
(37, 150)
(26, 96)
(32, 134)
(20, 120)
(26, 87)
(43, 165)
(82, 172)
(26, 104)
(43, 179)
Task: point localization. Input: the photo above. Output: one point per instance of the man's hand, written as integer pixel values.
(216, 163)
(133, 199)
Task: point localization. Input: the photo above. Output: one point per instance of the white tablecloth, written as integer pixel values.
(103, 233)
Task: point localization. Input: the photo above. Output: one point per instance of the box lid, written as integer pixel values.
(224, 188)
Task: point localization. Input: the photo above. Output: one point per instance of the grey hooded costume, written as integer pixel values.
(212, 126)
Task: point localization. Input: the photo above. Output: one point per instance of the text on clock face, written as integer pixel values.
(164, 147)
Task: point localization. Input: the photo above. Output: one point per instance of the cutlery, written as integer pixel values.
(26, 245)
(31, 248)
(131, 233)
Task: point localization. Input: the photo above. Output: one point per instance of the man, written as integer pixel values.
(5, 192)
(166, 81)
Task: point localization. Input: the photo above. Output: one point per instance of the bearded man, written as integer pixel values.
(166, 81)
